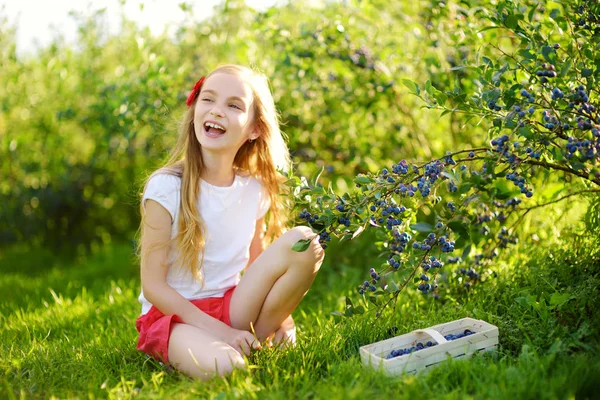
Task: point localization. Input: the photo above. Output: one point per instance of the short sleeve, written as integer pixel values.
(164, 189)
(264, 202)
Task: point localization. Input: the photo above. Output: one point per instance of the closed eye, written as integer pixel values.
(206, 99)
(236, 106)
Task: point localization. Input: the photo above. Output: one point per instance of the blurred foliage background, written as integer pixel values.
(82, 126)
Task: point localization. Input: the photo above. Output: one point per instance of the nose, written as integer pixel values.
(216, 111)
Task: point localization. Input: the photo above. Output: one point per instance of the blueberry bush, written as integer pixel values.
(442, 223)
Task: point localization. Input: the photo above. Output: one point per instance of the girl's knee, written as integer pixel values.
(228, 362)
(300, 232)
(223, 366)
(313, 255)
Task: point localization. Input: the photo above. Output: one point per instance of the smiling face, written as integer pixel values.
(224, 115)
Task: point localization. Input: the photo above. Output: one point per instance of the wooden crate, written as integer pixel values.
(484, 339)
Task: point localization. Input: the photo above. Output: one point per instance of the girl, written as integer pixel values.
(203, 223)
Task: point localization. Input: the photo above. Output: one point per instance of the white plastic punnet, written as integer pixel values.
(484, 338)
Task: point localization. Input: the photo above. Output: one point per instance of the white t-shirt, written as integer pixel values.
(229, 214)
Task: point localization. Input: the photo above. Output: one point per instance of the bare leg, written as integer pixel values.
(199, 355)
(275, 283)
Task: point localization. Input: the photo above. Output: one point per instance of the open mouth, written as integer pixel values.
(212, 129)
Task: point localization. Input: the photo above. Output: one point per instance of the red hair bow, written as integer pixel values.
(194, 92)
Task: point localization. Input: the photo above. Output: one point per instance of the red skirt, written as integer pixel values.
(155, 327)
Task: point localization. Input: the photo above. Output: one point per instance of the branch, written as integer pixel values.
(562, 198)
(562, 168)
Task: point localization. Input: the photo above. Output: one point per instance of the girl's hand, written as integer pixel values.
(286, 334)
(242, 341)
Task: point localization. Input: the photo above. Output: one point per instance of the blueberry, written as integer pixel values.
(420, 346)
(429, 344)
(468, 332)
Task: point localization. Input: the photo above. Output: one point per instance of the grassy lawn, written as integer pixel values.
(67, 330)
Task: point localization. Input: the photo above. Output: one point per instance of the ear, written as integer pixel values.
(255, 133)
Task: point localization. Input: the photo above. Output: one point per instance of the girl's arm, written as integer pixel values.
(157, 229)
(256, 246)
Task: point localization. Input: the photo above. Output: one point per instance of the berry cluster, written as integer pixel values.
(344, 221)
(530, 98)
(579, 96)
(451, 206)
(471, 273)
(587, 149)
(588, 17)
(447, 245)
(493, 106)
(547, 71)
(421, 346)
(551, 122)
(433, 169)
(401, 168)
(408, 350)
(520, 182)
(308, 216)
(467, 332)
(557, 94)
(431, 263)
(370, 285)
(406, 190)
(500, 144)
(423, 186)
(323, 239)
(429, 241)
(399, 243)
(506, 238)
(522, 113)
(388, 212)
(532, 153)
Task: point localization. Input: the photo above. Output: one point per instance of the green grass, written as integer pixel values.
(67, 330)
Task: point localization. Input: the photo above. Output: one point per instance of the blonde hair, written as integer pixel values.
(261, 158)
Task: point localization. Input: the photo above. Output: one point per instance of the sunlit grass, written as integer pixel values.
(69, 332)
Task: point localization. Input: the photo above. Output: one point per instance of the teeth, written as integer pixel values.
(216, 126)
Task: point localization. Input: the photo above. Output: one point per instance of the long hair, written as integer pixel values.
(262, 158)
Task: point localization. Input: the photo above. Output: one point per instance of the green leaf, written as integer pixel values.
(316, 177)
(337, 313)
(566, 67)
(295, 181)
(512, 21)
(412, 86)
(464, 188)
(363, 180)
(558, 299)
(460, 228)
(349, 302)
(421, 227)
(531, 12)
(549, 54)
(301, 245)
(526, 54)
(586, 72)
(466, 252)
(359, 310)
